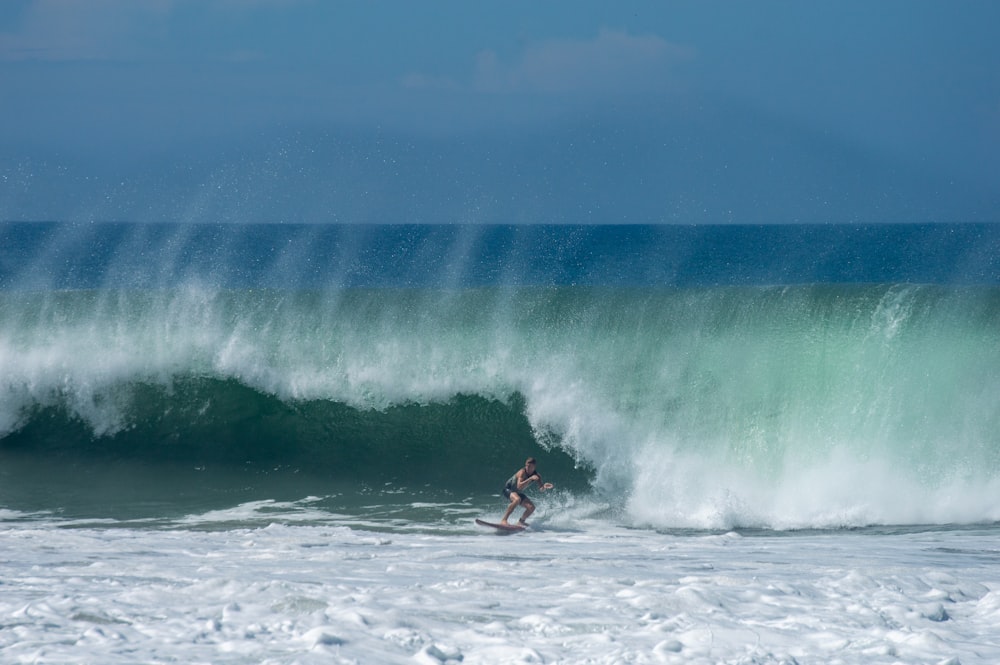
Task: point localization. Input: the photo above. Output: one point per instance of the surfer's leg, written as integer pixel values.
(529, 508)
(515, 500)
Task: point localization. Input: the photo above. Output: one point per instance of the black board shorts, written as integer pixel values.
(508, 489)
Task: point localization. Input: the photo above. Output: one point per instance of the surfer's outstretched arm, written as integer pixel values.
(541, 485)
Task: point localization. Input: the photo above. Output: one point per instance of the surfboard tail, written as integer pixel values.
(500, 527)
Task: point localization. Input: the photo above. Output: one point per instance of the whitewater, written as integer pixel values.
(273, 583)
(268, 443)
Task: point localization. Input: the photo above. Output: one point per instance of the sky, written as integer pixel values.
(691, 111)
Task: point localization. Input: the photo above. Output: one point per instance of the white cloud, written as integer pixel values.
(57, 30)
(614, 61)
(77, 30)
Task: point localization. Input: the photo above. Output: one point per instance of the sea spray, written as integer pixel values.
(827, 406)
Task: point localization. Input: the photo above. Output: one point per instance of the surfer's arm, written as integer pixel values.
(533, 478)
(543, 486)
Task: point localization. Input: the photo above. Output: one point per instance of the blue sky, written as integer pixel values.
(591, 112)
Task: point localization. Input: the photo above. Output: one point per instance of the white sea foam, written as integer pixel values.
(584, 591)
(677, 490)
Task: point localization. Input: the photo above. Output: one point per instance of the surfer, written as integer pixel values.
(515, 488)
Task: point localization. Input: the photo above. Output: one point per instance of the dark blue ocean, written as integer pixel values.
(142, 256)
(706, 377)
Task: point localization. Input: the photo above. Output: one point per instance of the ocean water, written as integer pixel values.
(268, 443)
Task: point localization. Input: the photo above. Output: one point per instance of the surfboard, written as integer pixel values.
(500, 527)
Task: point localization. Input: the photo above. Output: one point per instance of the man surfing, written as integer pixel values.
(515, 488)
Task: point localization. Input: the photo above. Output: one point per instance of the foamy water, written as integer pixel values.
(273, 583)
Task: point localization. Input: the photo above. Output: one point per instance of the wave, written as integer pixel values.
(708, 407)
(210, 423)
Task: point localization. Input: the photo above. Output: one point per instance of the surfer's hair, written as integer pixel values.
(530, 460)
